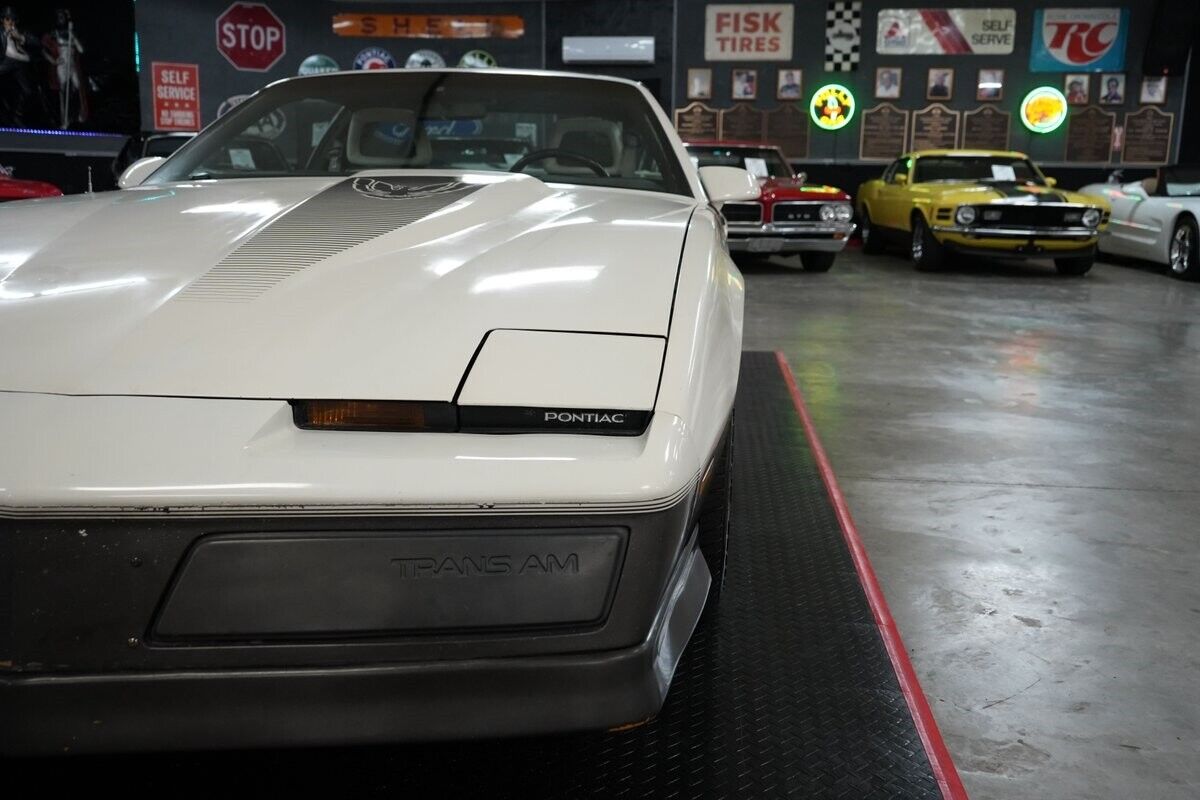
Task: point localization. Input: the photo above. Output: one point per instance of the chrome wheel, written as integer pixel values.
(918, 242)
(1181, 249)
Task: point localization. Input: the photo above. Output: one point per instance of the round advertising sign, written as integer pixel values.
(477, 59)
(832, 107)
(1044, 109)
(316, 64)
(425, 59)
(374, 58)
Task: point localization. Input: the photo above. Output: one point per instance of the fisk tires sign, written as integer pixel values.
(1079, 39)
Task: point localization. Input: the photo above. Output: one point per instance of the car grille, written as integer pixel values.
(796, 212)
(742, 212)
(1030, 216)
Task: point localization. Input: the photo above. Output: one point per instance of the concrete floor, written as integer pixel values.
(1021, 453)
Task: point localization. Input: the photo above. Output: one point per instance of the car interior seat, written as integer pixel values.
(386, 137)
(598, 139)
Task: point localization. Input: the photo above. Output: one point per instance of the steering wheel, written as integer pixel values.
(565, 155)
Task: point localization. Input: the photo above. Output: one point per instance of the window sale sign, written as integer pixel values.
(748, 32)
(176, 96)
(1079, 39)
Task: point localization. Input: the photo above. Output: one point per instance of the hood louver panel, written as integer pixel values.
(344, 215)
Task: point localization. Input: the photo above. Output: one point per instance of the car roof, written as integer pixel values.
(975, 153)
(466, 71)
(714, 143)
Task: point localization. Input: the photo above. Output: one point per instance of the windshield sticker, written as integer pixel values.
(1003, 172)
(241, 158)
(757, 167)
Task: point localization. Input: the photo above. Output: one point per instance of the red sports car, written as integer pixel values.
(13, 189)
(790, 216)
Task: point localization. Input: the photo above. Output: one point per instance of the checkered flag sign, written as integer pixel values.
(843, 35)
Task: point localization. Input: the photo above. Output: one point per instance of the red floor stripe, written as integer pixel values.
(939, 757)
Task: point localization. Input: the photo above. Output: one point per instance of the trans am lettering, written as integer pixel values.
(592, 417)
(383, 189)
(483, 566)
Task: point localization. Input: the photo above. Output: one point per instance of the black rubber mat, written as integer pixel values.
(786, 692)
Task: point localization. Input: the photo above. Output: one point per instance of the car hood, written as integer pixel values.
(792, 189)
(376, 286)
(1003, 193)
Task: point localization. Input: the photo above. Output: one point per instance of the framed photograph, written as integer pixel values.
(1154, 90)
(699, 84)
(745, 84)
(887, 83)
(1075, 87)
(940, 84)
(1112, 88)
(990, 85)
(789, 84)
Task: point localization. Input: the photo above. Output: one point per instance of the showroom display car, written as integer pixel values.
(342, 436)
(789, 216)
(1155, 219)
(973, 202)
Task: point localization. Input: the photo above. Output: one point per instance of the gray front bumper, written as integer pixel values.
(825, 238)
(85, 672)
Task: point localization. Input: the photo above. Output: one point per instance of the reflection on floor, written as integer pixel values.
(1022, 454)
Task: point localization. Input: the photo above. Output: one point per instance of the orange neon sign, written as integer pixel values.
(430, 26)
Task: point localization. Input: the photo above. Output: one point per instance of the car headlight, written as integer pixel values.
(1091, 217)
(828, 213)
(965, 215)
(843, 212)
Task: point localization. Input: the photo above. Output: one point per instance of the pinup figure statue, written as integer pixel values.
(63, 51)
(16, 83)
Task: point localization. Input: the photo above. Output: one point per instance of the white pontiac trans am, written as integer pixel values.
(405, 416)
(1155, 219)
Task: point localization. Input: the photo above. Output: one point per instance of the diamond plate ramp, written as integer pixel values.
(786, 692)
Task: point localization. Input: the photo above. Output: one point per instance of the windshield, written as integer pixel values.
(761, 162)
(558, 129)
(1181, 182)
(976, 169)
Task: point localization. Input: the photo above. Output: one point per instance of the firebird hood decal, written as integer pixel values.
(378, 286)
(336, 219)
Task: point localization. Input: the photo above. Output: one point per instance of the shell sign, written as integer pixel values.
(832, 106)
(1044, 109)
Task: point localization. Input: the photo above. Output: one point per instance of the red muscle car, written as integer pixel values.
(790, 216)
(14, 189)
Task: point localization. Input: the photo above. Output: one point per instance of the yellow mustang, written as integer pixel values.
(983, 202)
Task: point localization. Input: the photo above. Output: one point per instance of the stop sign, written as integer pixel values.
(250, 36)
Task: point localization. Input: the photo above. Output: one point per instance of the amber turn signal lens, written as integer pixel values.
(372, 415)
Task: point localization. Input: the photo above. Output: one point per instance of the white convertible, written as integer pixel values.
(394, 405)
(1155, 219)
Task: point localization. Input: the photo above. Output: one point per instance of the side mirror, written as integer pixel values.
(138, 171)
(900, 179)
(1052, 182)
(802, 177)
(728, 184)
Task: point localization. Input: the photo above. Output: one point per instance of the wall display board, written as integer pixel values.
(697, 122)
(945, 31)
(934, 127)
(1079, 39)
(787, 127)
(742, 123)
(883, 133)
(748, 32)
(1090, 135)
(986, 128)
(1147, 137)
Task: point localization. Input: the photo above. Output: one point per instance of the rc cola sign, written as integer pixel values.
(1079, 39)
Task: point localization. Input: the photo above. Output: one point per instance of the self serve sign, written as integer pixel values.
(251, 37)
(748, 32)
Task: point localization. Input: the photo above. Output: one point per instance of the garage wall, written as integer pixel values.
(185, 31)
(842, 146)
